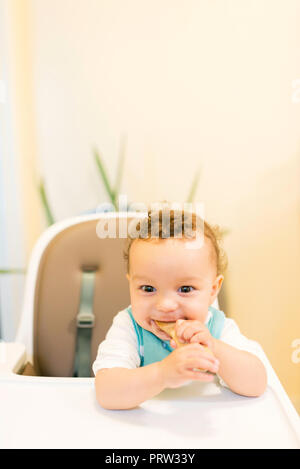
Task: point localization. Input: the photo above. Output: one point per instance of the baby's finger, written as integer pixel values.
(200, 376)
(173, 343)
(200, 338)
(179, 329)
(197, 351)
(189, 331)
(203, 364)
(185, 330)
(205, 361)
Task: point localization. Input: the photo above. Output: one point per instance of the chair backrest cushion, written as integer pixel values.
(57, 295)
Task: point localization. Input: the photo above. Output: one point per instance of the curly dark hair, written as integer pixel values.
(181, 224)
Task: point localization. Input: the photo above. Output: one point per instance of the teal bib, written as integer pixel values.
(152, 349)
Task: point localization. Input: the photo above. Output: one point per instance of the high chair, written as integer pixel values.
(75, 285)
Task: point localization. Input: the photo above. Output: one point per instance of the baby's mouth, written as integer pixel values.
(159, 332)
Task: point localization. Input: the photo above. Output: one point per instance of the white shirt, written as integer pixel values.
(120, 347)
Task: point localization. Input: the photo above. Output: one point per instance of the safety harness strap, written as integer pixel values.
(85, 324)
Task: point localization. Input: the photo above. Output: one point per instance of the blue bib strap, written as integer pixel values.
(216, 322)
(155, 348)
(151, 348)
(139, 335)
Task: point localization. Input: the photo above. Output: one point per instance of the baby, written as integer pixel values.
(174, 279)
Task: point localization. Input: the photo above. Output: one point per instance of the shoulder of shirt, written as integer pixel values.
(121, 329)
(232, 335)
(122, 316)
(123, 321)
(230, 326)
(119, 349)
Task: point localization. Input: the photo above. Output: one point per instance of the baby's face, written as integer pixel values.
(167, 281)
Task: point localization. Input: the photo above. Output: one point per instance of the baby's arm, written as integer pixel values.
(123, 388)
(242, 371)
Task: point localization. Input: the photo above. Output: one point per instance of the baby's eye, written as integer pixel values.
(147, 288)
(186, 289)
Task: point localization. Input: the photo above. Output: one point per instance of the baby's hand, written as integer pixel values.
(179, 367)
(193, 332)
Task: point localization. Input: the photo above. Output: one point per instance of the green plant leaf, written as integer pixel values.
(194, 186)
(120, 167)
(45, 203)
(104, 176)
(12, 271)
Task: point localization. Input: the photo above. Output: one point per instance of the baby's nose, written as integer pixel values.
(166, 306)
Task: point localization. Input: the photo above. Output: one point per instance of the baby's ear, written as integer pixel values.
(127, 276)
(219, 280)
(217, 286)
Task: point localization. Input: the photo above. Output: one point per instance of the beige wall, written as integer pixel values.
(264, 271)
(192, 83)
(23, 120)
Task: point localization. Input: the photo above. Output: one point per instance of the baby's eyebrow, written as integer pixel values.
(139, 277)
(185, 279)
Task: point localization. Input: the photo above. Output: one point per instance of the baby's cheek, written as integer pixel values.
(201, 316)
(196, 311)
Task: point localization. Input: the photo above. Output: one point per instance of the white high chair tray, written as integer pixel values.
(63, 413)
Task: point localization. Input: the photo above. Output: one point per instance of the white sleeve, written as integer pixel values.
(231, 335)
(120, 348)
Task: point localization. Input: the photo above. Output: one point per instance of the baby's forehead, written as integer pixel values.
(185, 250)
(193, 244)
(151, 261)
